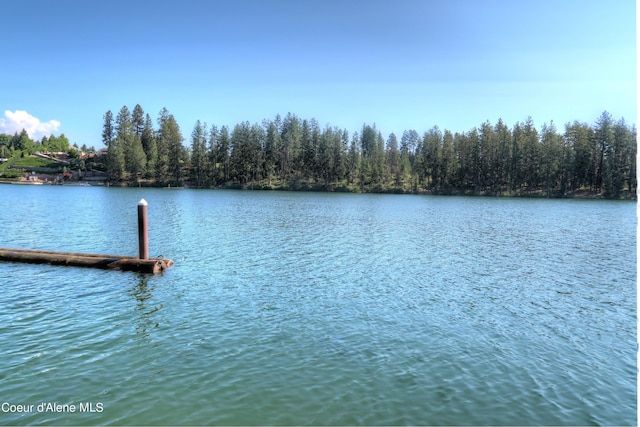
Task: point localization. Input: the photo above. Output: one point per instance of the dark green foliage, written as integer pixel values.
(172, 155)
(223, 162)
(59, 144)
(21, 143)
(115, 152)
(199, 159)
(149, 146)
(11, 174)
(293, 153)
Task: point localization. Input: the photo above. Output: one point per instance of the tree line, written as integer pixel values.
(295, 153)
(10, 144)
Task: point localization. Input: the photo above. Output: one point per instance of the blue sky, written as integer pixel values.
(401, 64)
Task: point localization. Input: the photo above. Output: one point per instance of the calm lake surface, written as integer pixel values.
(320, 309)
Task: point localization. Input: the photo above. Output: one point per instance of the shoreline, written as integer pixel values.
(523, 194)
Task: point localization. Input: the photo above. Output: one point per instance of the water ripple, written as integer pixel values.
(320, 309)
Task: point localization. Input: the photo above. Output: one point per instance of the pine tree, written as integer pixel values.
(272, 143)
(134, 157)
(354, 160)
(240, 153)
(529, 148)
(335, 154)
(212, 155)
(256, 152)
(177, 153)
(550, 158)
(307, 151)
(604, 142)
(448, 162)
(224, 151)
(408, 144)
(124, 136)
(150, 147)
(369, 170)
(171, 153)
(199, 161)
(137, 119)
(115, 155)
(393, 158)
(579, 137)
(488, 161)
(289, 155)
(427, 163)
(631, 159)
(618, 158)
(138, 159)
(324, 156)
(502, 155)
(341, 154)
(107, 128)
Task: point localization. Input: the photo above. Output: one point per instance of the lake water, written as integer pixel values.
(320, 309)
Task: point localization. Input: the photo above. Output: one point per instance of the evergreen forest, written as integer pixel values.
(291, 153)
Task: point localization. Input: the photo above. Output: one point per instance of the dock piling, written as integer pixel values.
(143, 232)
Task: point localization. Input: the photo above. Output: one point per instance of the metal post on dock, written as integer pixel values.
(143, 232)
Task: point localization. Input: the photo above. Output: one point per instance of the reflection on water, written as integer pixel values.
(145, 308)
(293, 308)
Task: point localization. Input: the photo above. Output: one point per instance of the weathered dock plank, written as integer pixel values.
(78, 259)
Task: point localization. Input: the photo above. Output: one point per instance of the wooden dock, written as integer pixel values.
(141, 264)
(77, 259)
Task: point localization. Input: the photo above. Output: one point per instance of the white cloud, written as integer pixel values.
(16, 121)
